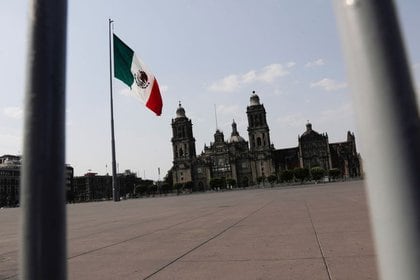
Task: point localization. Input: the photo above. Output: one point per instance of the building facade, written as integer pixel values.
(245, 162)
(94, 187)
(10, 166)
(10, 180)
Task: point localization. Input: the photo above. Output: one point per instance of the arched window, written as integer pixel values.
(181, 152)
(258, 141)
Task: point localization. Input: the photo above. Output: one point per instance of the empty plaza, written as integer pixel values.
(318, 231)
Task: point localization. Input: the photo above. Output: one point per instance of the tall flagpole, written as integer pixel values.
(115, 189)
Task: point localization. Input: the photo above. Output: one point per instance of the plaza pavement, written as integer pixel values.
(318, 231)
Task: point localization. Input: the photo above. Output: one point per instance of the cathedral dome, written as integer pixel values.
(180, 112)
(235, 137)
(254, 100)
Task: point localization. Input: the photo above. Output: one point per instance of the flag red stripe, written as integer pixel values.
(154, 102)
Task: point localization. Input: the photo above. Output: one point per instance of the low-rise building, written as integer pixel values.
(10, 176)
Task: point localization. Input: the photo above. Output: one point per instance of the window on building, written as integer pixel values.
(258, 141)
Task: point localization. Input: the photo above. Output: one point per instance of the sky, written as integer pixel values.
(208, 55)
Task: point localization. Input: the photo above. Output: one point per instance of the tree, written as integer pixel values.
(141, 190)
(223, 183)
(217, 183)
(166, 188)
(3, 198)
(245, 182)
(301, 174)
(334, 173)
(168, 179)
(286, 175)
(178, 187)
(317, 173)
(189, 186)
(152, 189)
(231, 182)
(260, 180)
(271, 179)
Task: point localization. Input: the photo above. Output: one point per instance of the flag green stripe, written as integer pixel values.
(123, 57)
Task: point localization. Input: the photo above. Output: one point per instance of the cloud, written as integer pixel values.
(249, 77)
(290, 64)
(13, 112)
(293, 120)
(227, 84)
(315, 63)
(329, 84)
(230, 110)
(271, 72)
(278, 92)
(334, 119)
(341, 112)
(268, 74)
(11, 142)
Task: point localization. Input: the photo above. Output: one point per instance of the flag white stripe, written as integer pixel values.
(142, 93)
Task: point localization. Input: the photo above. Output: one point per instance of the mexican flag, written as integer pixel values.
(134, 73)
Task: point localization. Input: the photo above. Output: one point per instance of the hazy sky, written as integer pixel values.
(204, 54)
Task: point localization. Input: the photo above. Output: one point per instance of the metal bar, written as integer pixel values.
(389, 125)
(115, 189)
(43, 249)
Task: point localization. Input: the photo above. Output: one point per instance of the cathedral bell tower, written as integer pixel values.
(183, 146)
(259, 138)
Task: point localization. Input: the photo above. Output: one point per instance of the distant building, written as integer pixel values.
(244, 161)
(69, 183)
(92, 186)
(10, 166)
(9, 180)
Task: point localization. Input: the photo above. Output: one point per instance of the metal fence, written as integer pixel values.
(387, 118)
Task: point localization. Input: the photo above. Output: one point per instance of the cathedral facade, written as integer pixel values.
(245, 162)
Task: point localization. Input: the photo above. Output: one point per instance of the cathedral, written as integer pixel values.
(245, 162)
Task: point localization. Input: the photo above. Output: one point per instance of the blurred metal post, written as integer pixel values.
(388, 122)
(43, 246)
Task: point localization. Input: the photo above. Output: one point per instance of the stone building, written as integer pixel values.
(245, 162)
(10, 180)
(183, 144)
(10, 166)
(94, 187)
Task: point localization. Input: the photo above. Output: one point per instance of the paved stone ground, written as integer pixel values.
(306, 232)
